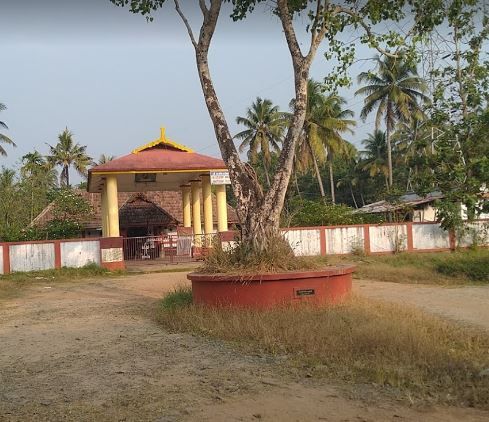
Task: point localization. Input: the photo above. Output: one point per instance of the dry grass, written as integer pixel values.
(444, 268)
(412, 354)
(244, 258)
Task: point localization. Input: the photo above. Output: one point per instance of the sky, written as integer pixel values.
(114, 79)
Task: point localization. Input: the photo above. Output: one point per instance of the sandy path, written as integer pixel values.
(91, 351)
(466, 304)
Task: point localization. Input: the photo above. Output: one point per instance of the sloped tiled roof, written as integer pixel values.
(139, 210)
(160, 159)
(162, 154)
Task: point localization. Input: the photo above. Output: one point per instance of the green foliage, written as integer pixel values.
(4, 139)
(69, 205)
(459, 164)
(54, 229)
(38, 179)
(317, 213)
(322, 135)
(69, 211)
(473, 266)
(396, 93)
(180, 297)
(66, 153)
(265, 126)
(62, 229)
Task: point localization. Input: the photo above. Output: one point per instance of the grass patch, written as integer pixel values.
(181, 296)
(12, 284)
(446, 268)
(244, 258)
(403, 350)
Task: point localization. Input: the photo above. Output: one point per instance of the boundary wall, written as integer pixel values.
(53, 254)
(369, 239)
(386, 238)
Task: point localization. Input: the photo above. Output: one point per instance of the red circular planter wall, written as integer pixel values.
(330, 285)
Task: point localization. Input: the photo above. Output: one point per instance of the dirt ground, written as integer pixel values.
(91, 351)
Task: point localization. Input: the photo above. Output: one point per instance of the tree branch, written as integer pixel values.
(368, 30)
(211, 15)
(185, 21)
(203, 7)
(287, 26)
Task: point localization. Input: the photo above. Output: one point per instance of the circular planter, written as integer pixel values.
(321, 287)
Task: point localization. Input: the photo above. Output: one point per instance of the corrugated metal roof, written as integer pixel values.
(410, 200)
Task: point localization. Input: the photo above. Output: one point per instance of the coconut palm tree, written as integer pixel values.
(333, 120)
(67, 153)
(10, 200)
(374, 156)
(104, 159)
(352, 178)
(321, 137)
(38, 176)
(4, 139)
(265, 126)
(395, 90)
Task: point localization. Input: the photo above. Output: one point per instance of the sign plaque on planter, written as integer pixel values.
(220, 178)
(305, 292)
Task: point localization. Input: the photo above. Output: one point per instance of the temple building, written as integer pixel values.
(163, 165)
(161, 187)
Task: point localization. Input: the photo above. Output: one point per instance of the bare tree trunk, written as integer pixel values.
(389, 154)
(297, 185)
(65, 177)
(316, 170)
(331, 180)
(267, 174)
(353, 196)
(259, 213)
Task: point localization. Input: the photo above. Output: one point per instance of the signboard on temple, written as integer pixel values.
(220, 178)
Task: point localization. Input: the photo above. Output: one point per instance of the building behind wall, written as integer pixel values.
(140, 214)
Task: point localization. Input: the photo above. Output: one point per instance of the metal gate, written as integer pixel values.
(167, 248)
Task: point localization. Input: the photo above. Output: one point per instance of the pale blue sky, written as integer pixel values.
(113, 79)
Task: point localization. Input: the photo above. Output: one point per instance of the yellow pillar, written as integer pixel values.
(207, 198)
(187, 206)
(222, 209)
(105, 216)
(196, 221)
(112, 206)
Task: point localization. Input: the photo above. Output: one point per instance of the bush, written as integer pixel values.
(180, 297)
(317, 213)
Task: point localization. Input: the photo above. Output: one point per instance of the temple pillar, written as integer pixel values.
(207, 198)
(222, 208)
(105, 214)
(187, 206)
(112, 206)
(196, 220)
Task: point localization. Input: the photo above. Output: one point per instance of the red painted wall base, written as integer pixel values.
(267, 290)
(113, 266)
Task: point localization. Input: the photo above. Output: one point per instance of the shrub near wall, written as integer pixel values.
(306, 213)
